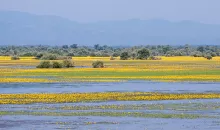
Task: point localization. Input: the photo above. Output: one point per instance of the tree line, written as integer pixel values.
(134, 52)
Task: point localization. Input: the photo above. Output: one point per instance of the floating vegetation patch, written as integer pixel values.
(99, 96)
(112, 114)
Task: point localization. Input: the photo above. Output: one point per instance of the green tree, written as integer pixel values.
(124, 56)
(74, 46)
(68, 63)
(98, 64)
(65, 46)
(57, 64)
(44, 64)
(143, 54)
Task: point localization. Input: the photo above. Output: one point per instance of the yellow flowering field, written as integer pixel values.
(101, 96)
(171, 69)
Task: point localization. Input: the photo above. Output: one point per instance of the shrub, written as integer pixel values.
(154, 58)
(143, 54)
(124, 56)
(64, 57)
(98, 64)
(209, 57)
(44, 64)
(56, 64)
(112, 58)
(39, 56)
(15, 58)
(213, 54)
(49, 57)
(197, 54)
(68, 63)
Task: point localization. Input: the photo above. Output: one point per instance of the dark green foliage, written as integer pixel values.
(44, 64)
(98, 64)
(213, 54)
(68, 63)
(124, 56)
(57, 64)
(209, 57)
(54, 52)
(154, 58)
(197, 54)
(143, 54)
(39, 56)
(64, 57)
(74, 46)
(15, 58)
(115, 54)
(65, 46)
(28, 54)
(49, 57)
(201, 49)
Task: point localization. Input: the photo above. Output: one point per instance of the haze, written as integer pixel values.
(205, 11)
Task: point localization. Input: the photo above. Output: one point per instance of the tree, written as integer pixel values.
(49, 57)
(97, 46)
(209, 57)
(68, 63)
(74, 46)
(56, 64)
(39, 56)
(143, 54)
(124, 56)
(44, 64)
(187, 48)
(201, 49)
(65, 47)
(98, 64)
(15, 58)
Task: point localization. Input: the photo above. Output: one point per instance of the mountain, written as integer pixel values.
(19, 28)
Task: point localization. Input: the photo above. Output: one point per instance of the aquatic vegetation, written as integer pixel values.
(25, 80)
(96, 97)
(112, 114)
(167, 106)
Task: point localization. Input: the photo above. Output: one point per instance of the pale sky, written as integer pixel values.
(206, 11)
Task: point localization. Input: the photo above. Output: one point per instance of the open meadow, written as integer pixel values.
(179, 92)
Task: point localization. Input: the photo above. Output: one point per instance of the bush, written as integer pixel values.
(68, 63)
(124, 56)
(57, 65)
(213, 54)
(154, 58)
(39, 56)
(49, 57)
(112, 58)
(143, 54)
(209, 57)
(15, 58)
(197, 54)
(44, 64)
(98, 64)
(64, 57)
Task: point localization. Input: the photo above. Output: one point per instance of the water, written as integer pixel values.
(202, 107)
(100, 123)
(130, 86)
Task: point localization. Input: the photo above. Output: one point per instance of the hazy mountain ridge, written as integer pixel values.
(23, 28)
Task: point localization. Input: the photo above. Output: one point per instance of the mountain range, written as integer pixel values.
(20, 28)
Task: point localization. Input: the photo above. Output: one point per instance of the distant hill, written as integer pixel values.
(20, 28)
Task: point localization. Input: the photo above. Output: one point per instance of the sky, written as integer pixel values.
(205, 11)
